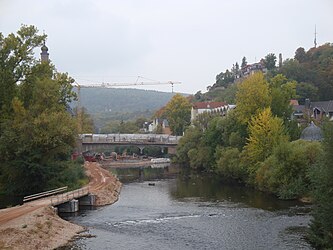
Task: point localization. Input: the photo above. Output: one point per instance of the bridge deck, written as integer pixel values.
(65, 197)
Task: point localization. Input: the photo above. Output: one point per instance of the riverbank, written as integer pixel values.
(38, 226)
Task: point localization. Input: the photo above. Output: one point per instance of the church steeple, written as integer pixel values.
(44, 56)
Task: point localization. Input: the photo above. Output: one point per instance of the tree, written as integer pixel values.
(16, 63)
(270, 61)
(265, 133)
(190, 140)
(282, 91)
(306, 90)
(225, 79)
(300, 55)
(237, 70)
(178, 113)
(244, 62)
(321, 227)
(37, 132)
(252, 97)
(36, 140)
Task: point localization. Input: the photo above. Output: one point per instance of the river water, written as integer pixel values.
(159, 209)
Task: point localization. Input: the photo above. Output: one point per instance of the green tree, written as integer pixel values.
(321, 228)
(36, 141)
(300, 55)
(244, 62)
(270, 61)
(178, 113)
(252, 97)
(282, 91)
(190, 140)
(37, 133)
(16, 62)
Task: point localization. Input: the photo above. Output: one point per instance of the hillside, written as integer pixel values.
(122, 100)
(312, 70)
(121, 103)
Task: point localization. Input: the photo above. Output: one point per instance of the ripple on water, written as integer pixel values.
(153, 218)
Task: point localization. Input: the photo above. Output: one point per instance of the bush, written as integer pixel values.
(228, 163)
(286, 171)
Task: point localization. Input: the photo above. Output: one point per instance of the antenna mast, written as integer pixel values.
(315, 38)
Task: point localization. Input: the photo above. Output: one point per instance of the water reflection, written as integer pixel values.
(204, 187)
(210, 188)
(144, 173)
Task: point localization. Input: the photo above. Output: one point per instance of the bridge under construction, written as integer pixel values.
(95, 142)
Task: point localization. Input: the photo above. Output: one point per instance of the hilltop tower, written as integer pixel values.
(280, 60)
(315, 37)
(44, 56)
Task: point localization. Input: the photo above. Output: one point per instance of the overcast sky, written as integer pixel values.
(190, 41)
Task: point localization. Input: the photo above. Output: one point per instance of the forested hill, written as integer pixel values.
(97, 100)
(115, 104)
(312, 70)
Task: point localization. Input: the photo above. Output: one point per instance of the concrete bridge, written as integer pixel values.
(96, 142)
(64, 201)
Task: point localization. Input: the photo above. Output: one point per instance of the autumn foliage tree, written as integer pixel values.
(265, 133)
(178, 113)
(252, 97)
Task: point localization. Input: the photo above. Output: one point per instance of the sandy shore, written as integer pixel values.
(42, 228)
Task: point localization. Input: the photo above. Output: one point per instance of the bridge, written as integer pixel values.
(96, 142)
(63, 200)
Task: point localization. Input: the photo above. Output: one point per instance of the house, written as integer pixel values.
(322, 109)
(163, 123)
(297, 111)
(201, 107)
(250, 69)
(314, 110)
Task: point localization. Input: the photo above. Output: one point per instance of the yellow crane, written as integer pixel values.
(104, 85)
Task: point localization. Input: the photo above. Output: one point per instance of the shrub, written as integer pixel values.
(286, 171)
(228, 163)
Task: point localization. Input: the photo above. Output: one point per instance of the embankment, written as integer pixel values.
(39, 227)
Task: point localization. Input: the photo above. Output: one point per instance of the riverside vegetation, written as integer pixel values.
(257, 144)
(37, 131)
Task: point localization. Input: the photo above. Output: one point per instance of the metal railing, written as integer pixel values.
(44, 194)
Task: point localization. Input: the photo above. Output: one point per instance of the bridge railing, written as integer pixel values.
(44, 194)
(64, 197)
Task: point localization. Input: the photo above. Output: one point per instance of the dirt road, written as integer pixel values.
(35, 225)
(99, 179)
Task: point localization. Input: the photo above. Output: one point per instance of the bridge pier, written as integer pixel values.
(141, 149)
(88, 200)
(69, 207)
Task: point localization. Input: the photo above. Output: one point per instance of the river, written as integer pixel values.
(159, 209)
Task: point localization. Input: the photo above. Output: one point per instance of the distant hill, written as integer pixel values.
(121, 103)
(122, 100)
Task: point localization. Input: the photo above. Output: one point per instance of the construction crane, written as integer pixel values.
(104, 85)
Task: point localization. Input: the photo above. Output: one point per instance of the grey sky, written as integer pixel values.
(185, 40)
